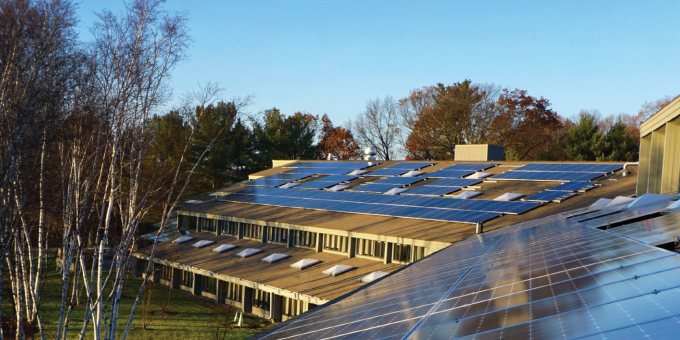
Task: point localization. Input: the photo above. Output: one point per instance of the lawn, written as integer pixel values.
(188, 316)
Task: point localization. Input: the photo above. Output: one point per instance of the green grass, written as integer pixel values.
(189, 317)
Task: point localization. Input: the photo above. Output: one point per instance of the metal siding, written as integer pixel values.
(479, 152)
(656, 161)
(643, 168)
(671, 159)
(656, 121)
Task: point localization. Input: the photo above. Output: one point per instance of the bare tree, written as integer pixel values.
(378, 127)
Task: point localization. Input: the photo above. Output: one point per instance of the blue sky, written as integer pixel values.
(328, 56)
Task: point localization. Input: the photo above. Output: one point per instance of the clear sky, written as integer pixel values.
(331, 56)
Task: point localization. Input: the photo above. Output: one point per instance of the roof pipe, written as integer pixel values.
(630, 163)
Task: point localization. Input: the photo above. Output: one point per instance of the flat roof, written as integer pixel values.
(309, 281)
(413, 228)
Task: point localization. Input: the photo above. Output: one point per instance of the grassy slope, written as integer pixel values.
(190, 317)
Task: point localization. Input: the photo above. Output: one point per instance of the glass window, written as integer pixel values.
(369, 248)
(277, 235)
(261, 299)
(187, 278)
(402, 253)
(292, 307)
(207, 224)
(233, 291)
(251, 231)
(304, 238)
(228, 227)
(209, 285)
(164, 272)
(335, 243)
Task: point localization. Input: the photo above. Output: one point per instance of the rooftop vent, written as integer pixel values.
(337, 270)
(275, 257)
(183, 239)
(372, 276)
(369, 154)
(224, 247)
(248, 252)
(304, 263)
(202, 243)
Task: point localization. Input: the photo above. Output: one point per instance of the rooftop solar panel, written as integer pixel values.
(410, 165)
(571, 167)
(449, 173)
(551, 176)
(548, 196)
(471, 166)
(376, 188)
(432, 191)
(401, 181)
(654, 231)
(548, 278)
(572, 186)
(454, 182)
(387, 172)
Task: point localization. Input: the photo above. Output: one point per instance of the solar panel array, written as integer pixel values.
(571, 186)
(549, 196)
(460, 170)
(326, 182)
(546, 279)
(442, 187)
(399, 169)
(326, 168)
(653, 231)
(565, 172)
(387, 184)
(277, 180)
(428, 208)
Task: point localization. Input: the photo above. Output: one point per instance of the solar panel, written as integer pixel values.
(326, 182)
(548, 278)
(572, 186)
(454, 182)
(432, 191)
(387, 172)
(401, 181)
(571, 167)
(398, 169)
(376, 188)
(410, 165)
(471, 166)
(654, 231)
(551, 176)
(449, 173)
(277, 180)
(548, 196)
(333, 164)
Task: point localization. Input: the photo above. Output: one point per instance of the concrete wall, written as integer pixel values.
(479, 152)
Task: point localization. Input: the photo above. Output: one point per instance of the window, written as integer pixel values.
(187, 278)
(291, 307)
(370, 248)
(251, 231)
(261, 299)
(233, 291)
(277, 235)
(335, 243)
(206, 224)
(164, 272)
(304, 238)
(209, 284)
(228, 227)
(406, 253)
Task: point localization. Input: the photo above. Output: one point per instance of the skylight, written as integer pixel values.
(508, 196)
(304, 263)
(337, 270)
(248, 252)
(412, 174)
(468, 194)
(275, 257)
(183, 239)
(289, 185)
(373, 276)
(202, 243)
(395, 191)
(478, 175)
(338, 187)
(357, 172)
(223, 247)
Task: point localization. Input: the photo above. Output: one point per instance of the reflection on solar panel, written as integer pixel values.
(550, 278)
(567, 167)
(398, 169)
(428, 190)
(548, 196)
(571, 186)
(548, 176)
(326, 182)
(277, 180)
(653, 231)
(427, 208)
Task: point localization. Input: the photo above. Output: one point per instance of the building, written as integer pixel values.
(285, 242)
(659, 171)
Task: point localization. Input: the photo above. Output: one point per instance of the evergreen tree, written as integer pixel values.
(619, 145)
(584, 141)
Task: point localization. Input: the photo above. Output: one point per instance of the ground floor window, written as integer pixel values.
(233, 291)
(261, 299)
(187, 278)
(209, 285)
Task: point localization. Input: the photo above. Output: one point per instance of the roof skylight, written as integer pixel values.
(373, 276)
(275, 257)
(183, 239)
(223, 247)
(202, 243)
(339, 187)
(304, 263)
(337, 270)
(248, 252)
(508, 196)
(468, 194)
